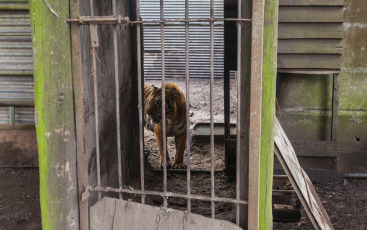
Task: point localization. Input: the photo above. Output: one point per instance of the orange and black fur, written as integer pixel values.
(175, 119)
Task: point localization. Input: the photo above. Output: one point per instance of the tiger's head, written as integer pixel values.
(154, 107)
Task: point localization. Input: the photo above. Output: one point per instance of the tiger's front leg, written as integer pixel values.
(159, 138)
(180, 141)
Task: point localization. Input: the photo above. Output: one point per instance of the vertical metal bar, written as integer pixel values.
(117, 98)
(255, 112)
(238, 126)
(335, 108)
(95, 82)
(188, 155)
(140, 100)
(11, 115)
(163, 107)
(95, 88)
(211, 107)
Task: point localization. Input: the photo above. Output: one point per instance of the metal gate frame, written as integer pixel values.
(255, 108)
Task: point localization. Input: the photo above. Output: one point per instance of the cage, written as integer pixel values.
(90, 120)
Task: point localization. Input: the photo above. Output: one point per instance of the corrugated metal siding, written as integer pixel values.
(310, 34)
(199, 36)
(22, 115)
(16, 88)
(16, 63)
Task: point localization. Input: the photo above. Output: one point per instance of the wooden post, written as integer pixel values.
(54, 114)
(268, 112)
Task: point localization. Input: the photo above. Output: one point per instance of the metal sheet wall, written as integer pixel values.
(175, 39)
(16, 63)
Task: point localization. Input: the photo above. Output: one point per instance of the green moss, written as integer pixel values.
(307, 91)
(267, 115)
(52, 78)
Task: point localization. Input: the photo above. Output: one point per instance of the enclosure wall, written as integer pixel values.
(305, 101)
(54, 114)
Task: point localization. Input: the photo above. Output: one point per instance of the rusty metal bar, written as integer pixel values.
(140, 102)
(164, 149)
(95, 88)
(335, 108)
(212, 165)
(255, 112)
(16, 103)
(187, 57)
(95, 83)
(123, 20)
(169, 194)
(238, 126)
(117, 99)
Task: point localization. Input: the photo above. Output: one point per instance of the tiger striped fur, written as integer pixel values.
(175, 119)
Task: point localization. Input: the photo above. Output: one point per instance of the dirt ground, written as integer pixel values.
(19, 199)
(345, 202)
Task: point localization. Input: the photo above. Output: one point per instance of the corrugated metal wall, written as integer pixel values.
(16, 68)
(175, 39)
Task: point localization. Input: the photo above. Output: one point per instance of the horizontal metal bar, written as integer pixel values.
(168, 194)
(123, 20)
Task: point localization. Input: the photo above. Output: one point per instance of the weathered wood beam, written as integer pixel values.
(269, 73)
(54, 112)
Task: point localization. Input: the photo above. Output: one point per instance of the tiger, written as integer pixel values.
(175, 120)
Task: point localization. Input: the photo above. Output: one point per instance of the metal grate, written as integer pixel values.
(187, 22)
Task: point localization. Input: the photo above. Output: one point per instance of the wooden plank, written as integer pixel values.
(315, 148)
(311, 14)
(312, 46)
(116, 214)
(310, 30)
(309, 61)
(269, 73)
(255, 109)
(299, 180)
(18, 146)
(335, 106)
(79, 116)
(311, 2)
(54, 114)
(244, 105)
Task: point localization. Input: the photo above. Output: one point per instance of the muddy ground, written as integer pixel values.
(345, 202)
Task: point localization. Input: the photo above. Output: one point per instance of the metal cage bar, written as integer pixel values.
(117, 99)
(95, 94)
(119, 20)
(164, 149)
(140, 103)
(187, 57)
(238, 126)
(169, 194)
(212, 165)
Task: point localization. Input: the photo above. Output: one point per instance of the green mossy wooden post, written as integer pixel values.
(54, 114)
(268, 113)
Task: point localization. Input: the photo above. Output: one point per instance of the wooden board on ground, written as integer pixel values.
(110, 213)
(299, 179)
